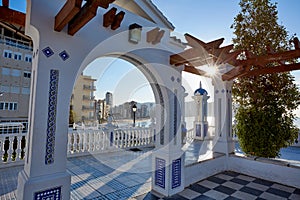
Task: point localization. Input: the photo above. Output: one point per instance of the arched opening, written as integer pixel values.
(112, 83)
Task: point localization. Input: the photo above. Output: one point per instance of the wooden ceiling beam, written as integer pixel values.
(5, 3)
(66, 14)
(272, 70)
(12, 16)
(87, 12)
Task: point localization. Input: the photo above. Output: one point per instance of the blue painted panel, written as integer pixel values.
(176, 173)
(160, 172)
(205, 129)
(51, 194)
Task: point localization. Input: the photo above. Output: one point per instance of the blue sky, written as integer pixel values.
(206, 19)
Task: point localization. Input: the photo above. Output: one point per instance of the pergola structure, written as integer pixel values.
(211, 54)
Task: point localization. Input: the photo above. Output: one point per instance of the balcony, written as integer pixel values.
(88, 108)
(16, 43)
(88, 98)
(88, 87)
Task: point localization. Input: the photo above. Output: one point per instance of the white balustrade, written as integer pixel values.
(80, 142)
(11, 147)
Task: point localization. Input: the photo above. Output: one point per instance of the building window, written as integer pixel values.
(15, 89)
(17, 56)
(7, 54)
(5, 88)
(16, 72)
(8, 106)
(27, 74)
(25, 90)
(28, 58)
(5, 71)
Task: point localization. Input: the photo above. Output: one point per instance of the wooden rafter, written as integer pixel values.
(66, 14)
(112, 19)
(76, 16)
(12, 16)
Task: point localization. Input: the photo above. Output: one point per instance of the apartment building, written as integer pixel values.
(82, 100)
(15, 74)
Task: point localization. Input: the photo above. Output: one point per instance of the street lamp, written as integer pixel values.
(134, 111)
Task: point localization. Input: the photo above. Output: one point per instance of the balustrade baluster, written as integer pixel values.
(80, 143)
(1, 149)
(70, 134)
(10, 149)
(18, 149)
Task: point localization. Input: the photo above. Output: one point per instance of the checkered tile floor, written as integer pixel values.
(231, 185)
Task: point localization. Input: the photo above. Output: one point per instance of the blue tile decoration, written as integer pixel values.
(111, 138)
(47, 52)
(198, 130)
(176, 173)
(64, 55)
(51, 194)
(51, 122)
(160, 172)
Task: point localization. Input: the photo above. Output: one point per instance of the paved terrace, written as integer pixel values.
(126, 174)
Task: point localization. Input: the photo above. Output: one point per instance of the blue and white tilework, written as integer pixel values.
(51, 194)
(48, 52)
(64, 55)
(51, 122)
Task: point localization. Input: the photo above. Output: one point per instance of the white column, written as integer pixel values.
(168, 158)
(44, 175)
(223, 142)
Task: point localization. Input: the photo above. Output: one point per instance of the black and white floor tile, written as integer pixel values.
(232, 186)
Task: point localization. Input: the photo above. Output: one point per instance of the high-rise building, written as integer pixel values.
(109, 99)
(82, 100)
(15, 73)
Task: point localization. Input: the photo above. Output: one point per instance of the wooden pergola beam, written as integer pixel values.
(12, 16)
(234, 73)
(276, 57)
(272, 70)
(194, 42)
(66, 14)
(193, 70)
(187, 56)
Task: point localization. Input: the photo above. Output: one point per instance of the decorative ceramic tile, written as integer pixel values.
(51, 194)
(51, 122)
(48, 52)
(64, 55)
(176, 173)
(160, 172)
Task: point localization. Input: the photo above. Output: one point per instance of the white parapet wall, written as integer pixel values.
(204, 169)
(268, 169)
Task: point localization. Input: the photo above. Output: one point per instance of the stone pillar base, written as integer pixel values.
(168, 173)
(53, 186)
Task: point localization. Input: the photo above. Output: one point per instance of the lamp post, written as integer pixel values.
(134, 111)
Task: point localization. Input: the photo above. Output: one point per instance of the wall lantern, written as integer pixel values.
(135, 33)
